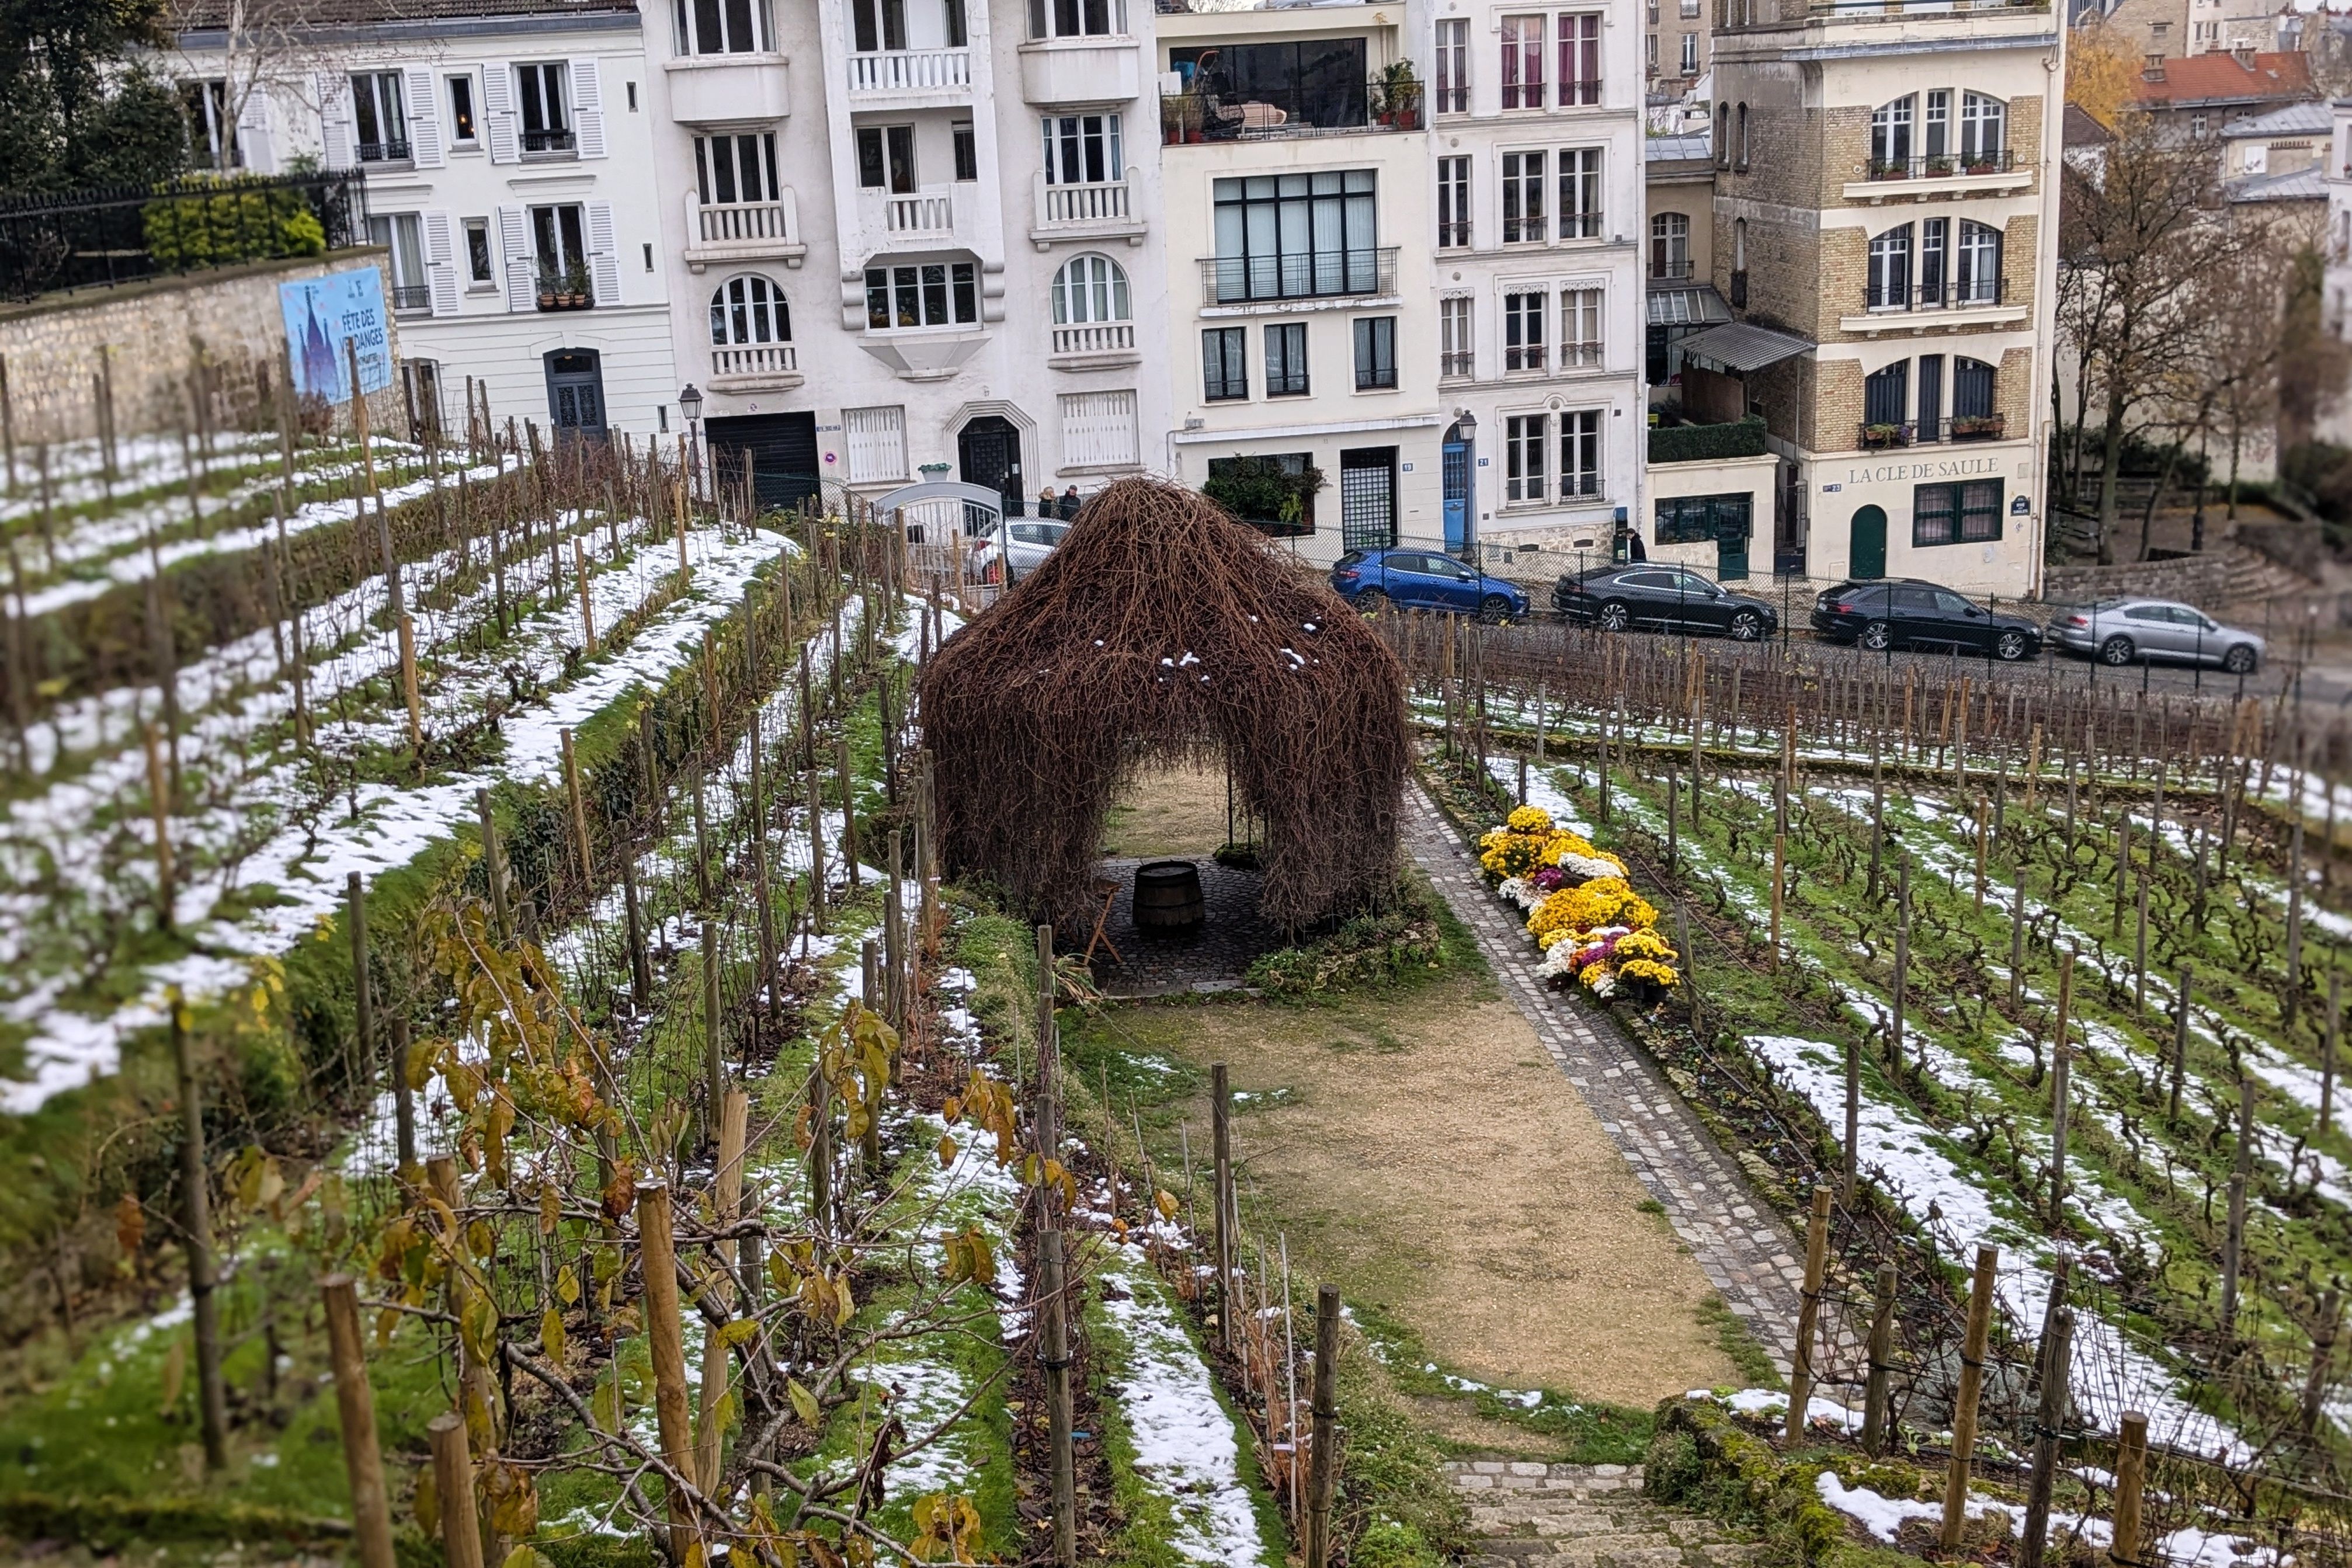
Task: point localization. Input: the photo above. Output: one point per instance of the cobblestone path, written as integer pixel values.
(1583, 1516)
(1748, 1254)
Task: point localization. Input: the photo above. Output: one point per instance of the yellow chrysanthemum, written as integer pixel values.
(1529, 819)
(1593, 972)
(1648, 969)
(1644, 944)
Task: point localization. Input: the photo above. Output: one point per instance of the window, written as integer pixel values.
(1971, 390)
(1935, 270)
(732, 168)
(877, 440)
(1077, 19)
(546, 128)
(967, 150)
(1890, 138)
(1285, 359)
(720, 27)
(1523, 332)
(556, 241)
(477, 252)
(2205, 34)
(1670, 245)
(1579, 454)
(879, 24)
(885, 158)
(1285, 236)
(211, 129)
(1089, 288)
(1579, 58)
(1224, 352)
(1890, 270)
(1983, 121)
(462, 128)
(1690, 12)
(1523, 197)
(1455, 356)
(1098, 430)
(1690, 55)
(1579, 193)
(1931, 396)
(1523, 457)
(1978, 274)
(1739, 160)
(952, 15)
(1522, 62)
(1723, 136)
(1579, 328)
(1452, 65)
(1083, 150)
(1936, 128)
(933, 294)
(1966, 513)
(1376, 353)
(1886, 395)
(2197, 127)
(379, 125)
(1650, 49)
(1702, 519)
(748, 311)
(401, 234)
(1452, 201)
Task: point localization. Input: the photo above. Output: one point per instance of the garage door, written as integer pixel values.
(782, 448)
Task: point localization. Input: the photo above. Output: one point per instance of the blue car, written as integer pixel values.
(1424, 580)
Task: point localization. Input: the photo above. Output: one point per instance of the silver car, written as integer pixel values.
(2120, 630)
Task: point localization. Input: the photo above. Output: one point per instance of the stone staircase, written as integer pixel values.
(1583, 1516)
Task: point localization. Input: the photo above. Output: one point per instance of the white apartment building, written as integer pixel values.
(880, 239)
(1537, 151)
(2335, 161)
(511, 174)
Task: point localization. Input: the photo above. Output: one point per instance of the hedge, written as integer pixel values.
(1707, 443)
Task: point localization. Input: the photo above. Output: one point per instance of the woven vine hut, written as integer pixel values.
(1162, 630)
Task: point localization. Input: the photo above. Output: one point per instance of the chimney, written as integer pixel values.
(2243, 54)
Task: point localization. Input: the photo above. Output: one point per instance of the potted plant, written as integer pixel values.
(1399, 98)
(1976, 426)
(1940, 165)
(549, 289)
(576, 287)
(1984, 163)
(1877, 435)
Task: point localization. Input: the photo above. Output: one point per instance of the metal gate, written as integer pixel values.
(1368, 519)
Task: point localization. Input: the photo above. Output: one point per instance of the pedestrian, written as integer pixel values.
(1045, 502)
(1069, 503)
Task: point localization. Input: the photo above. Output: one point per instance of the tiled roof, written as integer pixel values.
(2216, 76)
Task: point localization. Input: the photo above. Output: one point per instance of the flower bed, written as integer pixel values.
(1595, 931)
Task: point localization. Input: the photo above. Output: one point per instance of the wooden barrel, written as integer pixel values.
(1168, 896)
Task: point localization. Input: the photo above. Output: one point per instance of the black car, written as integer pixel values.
(1662, 597)
(1902, 613)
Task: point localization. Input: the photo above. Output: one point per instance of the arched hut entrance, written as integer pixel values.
(1161, 630)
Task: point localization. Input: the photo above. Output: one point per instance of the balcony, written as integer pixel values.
(1456, 365)
(890, 78)
(1341, 274)
(554, 143)
(1094, 345)
(1101, 209)
(755, 367)
(715, 90)
(382, 152)
(1262, 114)
(1959, 428)
(1080, 69)
(1992, 174)
(1954, 307)
(411, 298)
(727, 231)
(1670, 271)
(909, 217)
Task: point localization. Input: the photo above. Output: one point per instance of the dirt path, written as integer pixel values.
(1177, 812)
(1426, 1153)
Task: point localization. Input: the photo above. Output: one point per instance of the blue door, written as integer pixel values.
(1453, 470)
(1409, 582)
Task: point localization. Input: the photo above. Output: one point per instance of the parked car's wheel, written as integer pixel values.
(1373, 600)
(2240, 660)
(1746, 626)
(2117, 650)
(1495, 609)
(1614, 616)
(2012, 645)
(1877, 636)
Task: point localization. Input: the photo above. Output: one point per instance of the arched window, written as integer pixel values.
(1743, 136)
(747, 310)
(1089, 288)
(1890, 138)
(1980, 265)
(1723, 136)
(1890, 270)
(1972, 391)
(1983, 121)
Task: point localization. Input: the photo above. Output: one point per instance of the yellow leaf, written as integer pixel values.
(428, 1501)
(947, 1151)
(1165, 1202)
(739, 1331)
(385, 1322)
(175, 1373)
(845, 1307)
(805, 1404)
(549, 1209)
(551, 1335)
(527, 1557)
(567, 1286)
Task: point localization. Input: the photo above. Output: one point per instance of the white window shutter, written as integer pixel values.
(604, 261)
(441, 263)
(253, 131)
(335, 119)
(587, 109)
(424, 118)
(498, 110)
(514, 244)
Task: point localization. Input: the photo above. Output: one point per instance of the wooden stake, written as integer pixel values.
(1882, 1350)
(453, 1478)
(362, 1009)
(658, 1247)
(355, 1411)
(2060, 1060)
(2181, 1053)
(2326, 1050)
(196, 1232)
(1053, 1354)
(587, 609)
(1324, 1470)
(493, 868)
(714, 1067)
(2131, 1467)
(726, 1201)
(1220, 1113)
(1779, 863)
(2056, 1362)
(579, 806)
(848, 815)
(1902, 960)
(1808, 1310)
(1964, 1408)
(404, 1102)
(159, 797)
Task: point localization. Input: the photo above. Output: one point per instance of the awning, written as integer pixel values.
(1687, 305)
(1737, 348)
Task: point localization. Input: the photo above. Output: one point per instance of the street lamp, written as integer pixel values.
(1465, 425)
(689, 403)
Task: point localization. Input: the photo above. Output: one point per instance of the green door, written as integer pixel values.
(1866, 544)
(1732, 527)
